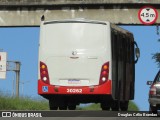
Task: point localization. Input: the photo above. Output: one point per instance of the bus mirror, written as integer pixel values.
(149, 82)
(137, 51)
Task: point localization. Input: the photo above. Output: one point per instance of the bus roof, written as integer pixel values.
(119, 29)
(83, 20)
(78, 20)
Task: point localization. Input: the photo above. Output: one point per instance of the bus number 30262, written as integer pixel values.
(74, 90)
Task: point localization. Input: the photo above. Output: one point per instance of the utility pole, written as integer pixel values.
(15, 66)
(17, 71)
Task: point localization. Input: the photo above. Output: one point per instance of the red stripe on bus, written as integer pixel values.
(44, 88)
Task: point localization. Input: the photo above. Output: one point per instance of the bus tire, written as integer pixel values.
(105, 106)
(124, 105)
(62, 107)
(115, 105)
(52, 106)
(72, 107)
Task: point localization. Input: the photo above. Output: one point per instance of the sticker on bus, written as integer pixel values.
(74, 81)
(45, 88)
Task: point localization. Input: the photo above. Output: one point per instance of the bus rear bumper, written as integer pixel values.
(44, 89)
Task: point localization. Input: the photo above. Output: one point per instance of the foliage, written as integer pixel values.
(132, 107)
(156, 56)
(12, 103)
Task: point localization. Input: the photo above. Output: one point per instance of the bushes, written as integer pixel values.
(12, 103)
(132, 107)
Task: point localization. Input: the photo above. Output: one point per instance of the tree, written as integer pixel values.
(156, 56)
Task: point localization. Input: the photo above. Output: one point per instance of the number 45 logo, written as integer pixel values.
(147, 15)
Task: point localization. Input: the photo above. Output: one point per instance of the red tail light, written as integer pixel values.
(44, 72)
(104, 73)
(152, 90)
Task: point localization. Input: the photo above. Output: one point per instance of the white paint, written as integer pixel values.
(3, 65)
(91, 41)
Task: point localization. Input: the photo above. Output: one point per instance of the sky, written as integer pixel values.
(21, 44)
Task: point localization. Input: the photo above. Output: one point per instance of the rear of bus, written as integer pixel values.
(74, 58)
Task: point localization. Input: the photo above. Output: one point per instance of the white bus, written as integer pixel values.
(86, 61)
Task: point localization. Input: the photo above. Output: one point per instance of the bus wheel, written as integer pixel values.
(62, 107)
(52, 106)
(115, 105)
(124, 105)
(72, 107)
(105, 106)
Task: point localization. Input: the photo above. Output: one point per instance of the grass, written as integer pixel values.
(132, 107)
(12, 103)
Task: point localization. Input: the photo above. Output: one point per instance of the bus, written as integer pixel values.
(86, 61)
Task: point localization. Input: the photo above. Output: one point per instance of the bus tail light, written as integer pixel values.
(44, 72)
(104, 73)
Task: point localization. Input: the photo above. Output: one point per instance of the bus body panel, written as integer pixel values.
(123, 65)
(46, 89)
(75, 52)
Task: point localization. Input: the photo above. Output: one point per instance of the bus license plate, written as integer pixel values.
(74, 81)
